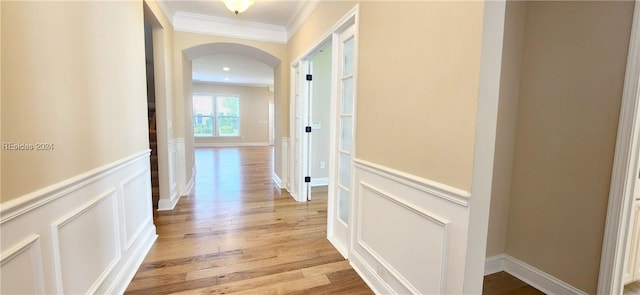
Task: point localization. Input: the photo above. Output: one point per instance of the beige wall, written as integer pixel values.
(254, 112)
(69, 69)
(417, 84)
(570, 91)
(419, 65)
(182, 73)
(505, 133)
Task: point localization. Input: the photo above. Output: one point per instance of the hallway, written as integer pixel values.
(238, 234)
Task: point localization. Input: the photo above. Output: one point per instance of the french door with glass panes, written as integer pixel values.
(343, 151)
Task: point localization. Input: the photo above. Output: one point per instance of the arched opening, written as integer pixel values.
(203, 51)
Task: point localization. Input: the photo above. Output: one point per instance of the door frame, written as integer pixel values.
(624, 172)
(347, 21)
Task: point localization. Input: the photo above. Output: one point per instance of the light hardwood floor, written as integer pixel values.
(238, 234)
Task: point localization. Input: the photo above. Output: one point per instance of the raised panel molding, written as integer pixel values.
(89, 233)
(431, 250)
(396, 212)
(72, 236)
(23, 258)
(133, 191)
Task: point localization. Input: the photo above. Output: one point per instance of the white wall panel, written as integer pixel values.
(22, 268)
(423, 234)
(134, 193)
(409, 233)
(87, 234)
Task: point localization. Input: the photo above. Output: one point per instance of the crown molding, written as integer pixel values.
(166, 11)
(210, 25)
(302, 13)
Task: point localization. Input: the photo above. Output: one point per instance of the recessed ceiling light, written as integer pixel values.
(226, 69)
(226, 79)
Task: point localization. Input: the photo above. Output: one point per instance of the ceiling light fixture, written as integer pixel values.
(226, 79)
(238, 6)
(226, 69)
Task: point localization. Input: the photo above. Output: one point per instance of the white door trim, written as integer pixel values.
(485, 139)
(625, 170)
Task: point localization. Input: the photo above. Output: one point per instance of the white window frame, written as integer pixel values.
(214, 116)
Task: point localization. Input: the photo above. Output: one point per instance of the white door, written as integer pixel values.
(300, 188)
(341, 185)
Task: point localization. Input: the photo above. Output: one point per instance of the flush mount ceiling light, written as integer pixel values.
(226, 69)
(238, 6)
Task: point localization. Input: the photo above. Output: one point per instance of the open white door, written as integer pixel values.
(300, 183)
(342, 152)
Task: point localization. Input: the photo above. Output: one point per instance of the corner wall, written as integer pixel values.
(506, 126)
(573, 70)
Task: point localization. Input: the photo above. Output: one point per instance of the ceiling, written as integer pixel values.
(242, 70)
(272, 12)
(267, 20)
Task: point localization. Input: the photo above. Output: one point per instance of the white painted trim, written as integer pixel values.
(434, 188)
(537, 278)
(166, 11)
(188, 188)
(625, 169)
(285, 163)
(36, 219)
(229, 144)
(353, 13)
(424, 214)
(167, 205)
(38, 198)
(303, 12)
(128, 271)
(57, 225)
(319, 181)
(218, 26)
(494, 264)
(32, 244)
(485, 142)
(365, 271)
(276, 180)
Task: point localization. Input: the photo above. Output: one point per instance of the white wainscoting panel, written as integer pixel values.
(409, 234)
(136, 190)
(22, 268)
(87, 234)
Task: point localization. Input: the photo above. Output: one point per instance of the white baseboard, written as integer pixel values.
(229, 144)
(494, 264)
(168, 204)
(529, 274)
(319, 181)
(188, 188)
(129, 270)
(277, 181)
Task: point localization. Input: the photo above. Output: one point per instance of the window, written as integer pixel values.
(216, 115)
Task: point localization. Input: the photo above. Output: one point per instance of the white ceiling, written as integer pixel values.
(272, 12)
(267, 20)
(242, 70)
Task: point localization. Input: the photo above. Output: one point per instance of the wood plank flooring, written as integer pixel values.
(238, 234)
